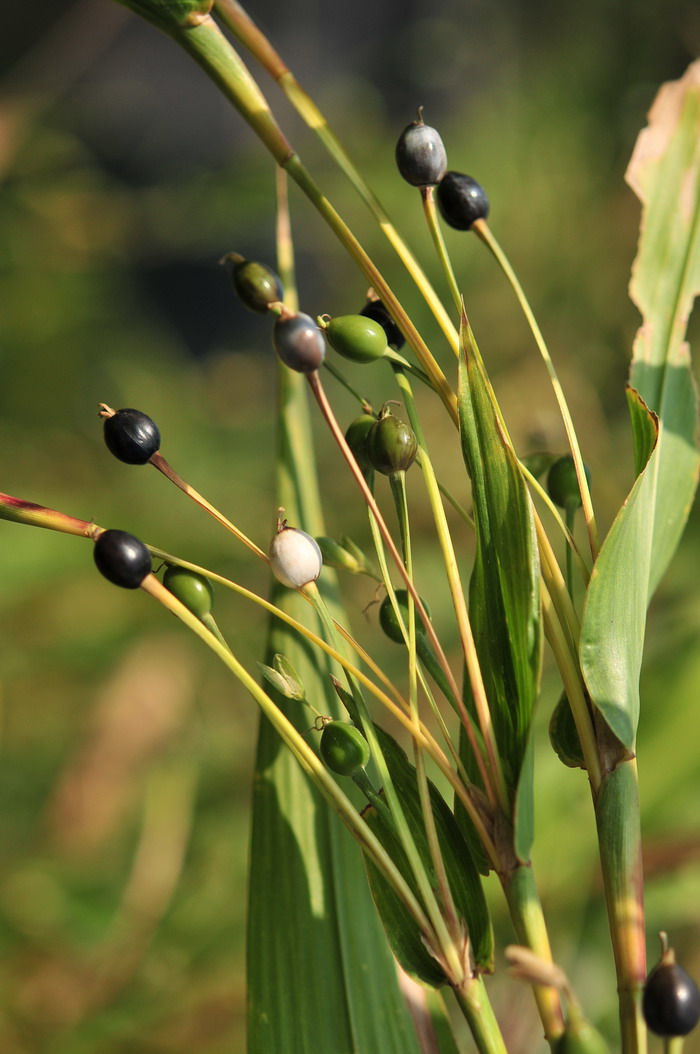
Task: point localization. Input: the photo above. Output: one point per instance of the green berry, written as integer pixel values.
(564, 737)
(562, 483)
(580, 1037)
(356, 337)
(343, 748)
(256, 284)
(356, 438)
(388, 620)
(391, 445)
(191, 589)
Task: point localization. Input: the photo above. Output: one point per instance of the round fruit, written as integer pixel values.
(391, 445)
(671, 1001)
(562, 483)
(256, 284)
(295, 558)
(299, 342)
(388, 620)
(420, 155)
(375, 310)
(132, 436)
(563, 735)
(461, 200)
(356, 337)
(191, 589)
(122, 558)
(356, 438)
(343, 748)
(581, 1038)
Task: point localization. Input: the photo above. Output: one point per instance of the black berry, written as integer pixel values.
(374, 309)
(122, 558)
(671, 1001)
(420, 155)
(461, 200)
(299, 342)
(132, 436)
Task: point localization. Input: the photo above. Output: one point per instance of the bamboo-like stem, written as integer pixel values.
(619, 839)
(525, 910)
(475, 1005)
(484, 232)
(236, 18)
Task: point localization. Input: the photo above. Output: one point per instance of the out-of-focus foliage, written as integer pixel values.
(126, 752)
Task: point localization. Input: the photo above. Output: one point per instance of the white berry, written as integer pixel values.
(295, 558)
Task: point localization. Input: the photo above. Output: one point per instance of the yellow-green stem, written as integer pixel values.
(428, 199)
(478, 1013)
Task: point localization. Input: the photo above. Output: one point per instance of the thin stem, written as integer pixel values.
(428, 199)
(471, 657)
(487, 236)
(234, 16)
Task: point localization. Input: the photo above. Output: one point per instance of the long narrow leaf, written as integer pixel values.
(504, 602)
(665, 172)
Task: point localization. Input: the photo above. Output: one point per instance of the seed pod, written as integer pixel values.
(191, 589)
(374, 309)
(122, 558)
(461, 200)
(564, 737)
(420, 154)
(391, 445)
(671, 1000)
(562, 483)
(356, 337)
(356, 438)
(131, 436)
(388, 620)
(299, 342)
(343, 748)
(295, 557)
(256, 284)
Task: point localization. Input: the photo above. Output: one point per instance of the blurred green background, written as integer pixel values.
(126, 751)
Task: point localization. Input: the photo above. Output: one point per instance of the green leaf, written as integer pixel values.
(462, 873)
(665, 172)
(320, 972)
(504, 602)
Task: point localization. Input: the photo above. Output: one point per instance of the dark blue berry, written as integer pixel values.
(375, 310)
(122, 558)
(299, 342)
(461, 200)
(671, 1001)
(420, 155)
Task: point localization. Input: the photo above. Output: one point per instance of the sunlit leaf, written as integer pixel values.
(665, 173)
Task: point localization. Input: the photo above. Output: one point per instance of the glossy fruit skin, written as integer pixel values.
(375, 310)
(356, 438)
(295, 558)
(131, 436)
(343, 748)
(299, 342)
(256, 284)
(356, 337)
(388, 620)
(562, 483)
(421, 157)
(461, 200)
(122, 558)
(391, 445)
(194, 591)
(671, 1001)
